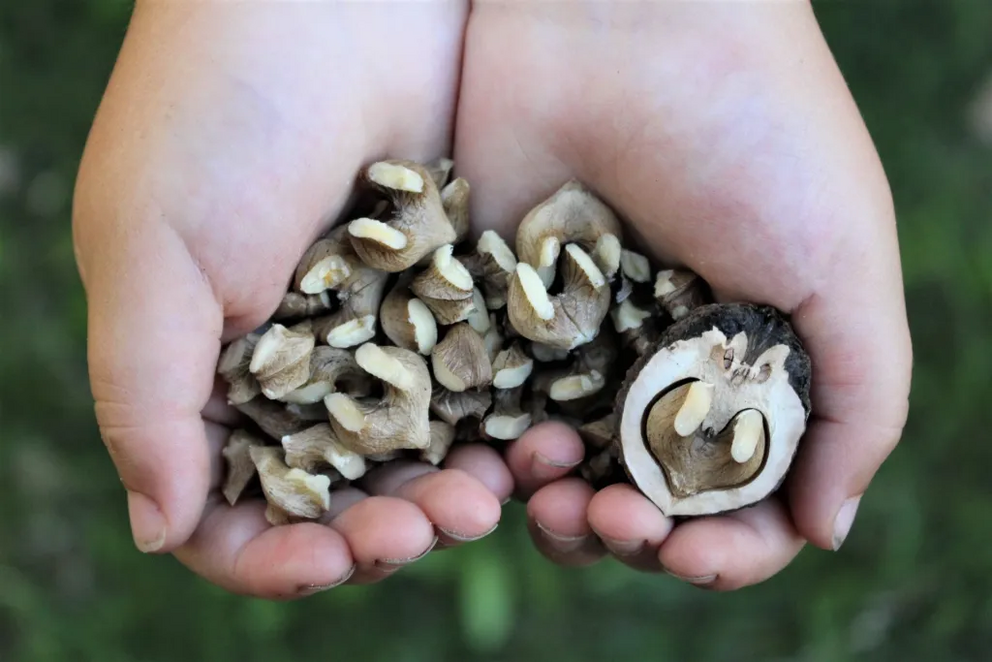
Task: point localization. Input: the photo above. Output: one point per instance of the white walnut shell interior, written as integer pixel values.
(690, 359)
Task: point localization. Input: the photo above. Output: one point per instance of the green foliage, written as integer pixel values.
(913, 583)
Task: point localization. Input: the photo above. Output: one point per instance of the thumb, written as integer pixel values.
(154, 330)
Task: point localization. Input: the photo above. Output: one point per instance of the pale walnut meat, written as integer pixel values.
(382, 458)
(456, 406)
(297, 493)
(275, 418)
(454, 195)
(407, 321)
(240, 468)
(508, 419)
(233, 368)
(566, 320)
(480, 318)
(481, 345)
(679, 291)
(331, 369)
(318, 448)
(493, 338)
(512, 367)
(546, 354)
(400, 418)
(295, 306)
(454, 199)
(281, 359)
(418, 223)
(491, 264)
(310, 413)
(573, 214)
(446, 287)
(711, 419)
(332, 264)
(442, 437)
(639, 328)
(326, 265)
(591, 368)
(460, 361)
(355, 322)
(440, 170)
(634, 266)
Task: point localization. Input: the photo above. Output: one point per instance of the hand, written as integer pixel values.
(227, 141)
(727, 138)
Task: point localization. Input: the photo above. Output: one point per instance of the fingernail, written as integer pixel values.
(461, 537)
(701, 580)
(624, 547)
(310, 589)
(506, 501)
(544, 467)
(147, 523)
(391, 565)
(844, 520)
(561, 542)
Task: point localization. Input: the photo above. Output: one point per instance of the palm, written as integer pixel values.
(712, 175)
(723, 159)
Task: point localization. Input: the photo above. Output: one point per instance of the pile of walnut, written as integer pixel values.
(399, 337)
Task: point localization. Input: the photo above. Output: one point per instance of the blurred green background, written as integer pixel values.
(914, 581)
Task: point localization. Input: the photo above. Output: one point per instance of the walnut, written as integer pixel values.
(399, 337)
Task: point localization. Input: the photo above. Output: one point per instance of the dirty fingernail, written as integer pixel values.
(700, 580)
(147, 523)
(457, 536)
(546, 468)
(391, 565)
(844, 520)
(560, 542)
(310, 589)
(624, 547)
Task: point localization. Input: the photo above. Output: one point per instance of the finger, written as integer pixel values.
(544, 453)
(342, 499)
(217, 409)
(237, 549)
(862, 366)
(384, 534)
(559, 525)
(217, 436)
(732, 551)
(460, 507)
(629, 525)
(484, 464)
(152, 348)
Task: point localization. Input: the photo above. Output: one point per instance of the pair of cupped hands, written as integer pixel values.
(229, 139)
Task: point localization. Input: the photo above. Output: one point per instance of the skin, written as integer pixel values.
(724, 134)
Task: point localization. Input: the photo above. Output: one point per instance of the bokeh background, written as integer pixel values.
(913, 582)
